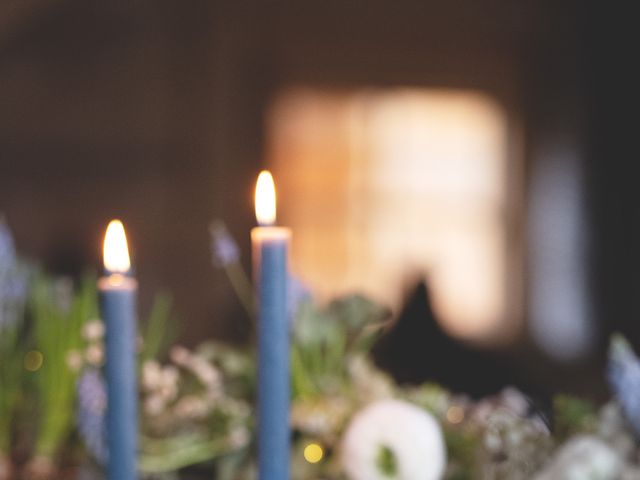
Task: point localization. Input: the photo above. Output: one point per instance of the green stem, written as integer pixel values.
(242, 286)
(171, 459)
(303, 386)
(5, 435)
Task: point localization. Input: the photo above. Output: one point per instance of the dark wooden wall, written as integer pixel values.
(152, 111)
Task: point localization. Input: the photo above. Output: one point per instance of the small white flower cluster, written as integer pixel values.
(238, 414)
(321, 418)
(239, 437)
(369, 382)
(93, 353)
(205, 371)
(185, 394)
(161, 386)
(513, 440)
(514, 445)
(609, 453)
(583, 457)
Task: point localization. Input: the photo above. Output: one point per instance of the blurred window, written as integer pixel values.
(382, 185)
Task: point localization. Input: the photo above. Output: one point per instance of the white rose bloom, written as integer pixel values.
(393, 435)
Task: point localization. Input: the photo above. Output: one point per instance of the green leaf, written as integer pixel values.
(159, 330)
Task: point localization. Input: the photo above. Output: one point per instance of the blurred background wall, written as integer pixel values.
(156, 112)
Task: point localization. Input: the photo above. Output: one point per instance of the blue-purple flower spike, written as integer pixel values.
(224, 249)
(92, 405)
(623, 374)
(13, 279)
(298, 293)
(7, 249)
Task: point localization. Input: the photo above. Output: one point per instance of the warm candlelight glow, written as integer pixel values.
(116, 252)
(265, 199)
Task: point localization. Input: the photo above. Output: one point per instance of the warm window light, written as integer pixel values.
(385, 185)
(265, 199)
(116, 252)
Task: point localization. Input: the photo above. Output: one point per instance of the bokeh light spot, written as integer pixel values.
(313, 453)
(33, 360)
(455, 414)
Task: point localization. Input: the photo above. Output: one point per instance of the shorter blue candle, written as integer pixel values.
(270, 246)
(118, 308)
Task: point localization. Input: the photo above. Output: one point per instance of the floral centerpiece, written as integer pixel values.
(350, 420)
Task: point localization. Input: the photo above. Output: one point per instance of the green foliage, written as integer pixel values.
(462, 449)
(386, 462)
(159, 331)
(214, 377)
(325, 338)
(11, 354)
(172, 453)
(58, 315)
(238, 368)
(573, 415)
(13, 286)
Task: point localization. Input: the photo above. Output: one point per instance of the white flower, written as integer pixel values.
(192, 406)
(93, 330)
(233, 407)
(168, 382)
(94, 354)
(393, 435)
(370, 383)
(151, 375)
(581, 458)
(208, 374)
(160, 381)
(180, 355)
(74, 360)
(239, 437)
(320, 417)
(154, 405)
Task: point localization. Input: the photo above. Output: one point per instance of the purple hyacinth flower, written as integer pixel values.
(92, 406)
(623, 374)
(224, 248)
(13, 279)
(7, 249)
(298, 293)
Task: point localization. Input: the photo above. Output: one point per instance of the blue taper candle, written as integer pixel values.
(118, 307)
(270, 255)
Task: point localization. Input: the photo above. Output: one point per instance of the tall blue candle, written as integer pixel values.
(118, 305)
(270, 253)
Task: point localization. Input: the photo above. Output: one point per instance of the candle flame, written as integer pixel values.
(265, 199)
(116, 252)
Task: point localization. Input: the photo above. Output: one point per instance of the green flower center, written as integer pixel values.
(386, 461)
